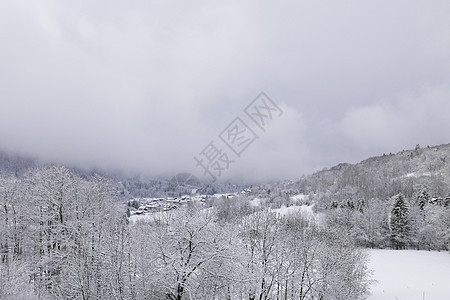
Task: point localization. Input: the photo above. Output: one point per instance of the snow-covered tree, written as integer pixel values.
(65, 237)
(292, 258)
(192, 256)
(422, 198)
(399, 222)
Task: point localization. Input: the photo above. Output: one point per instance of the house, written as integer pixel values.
(437, 201)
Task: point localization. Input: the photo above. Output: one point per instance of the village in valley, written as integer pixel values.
(148, 206)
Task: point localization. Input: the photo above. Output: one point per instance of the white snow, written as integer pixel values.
(410, 275)
(255, 202)
(299, 197)
(306, 210)
(143, 217)
(415, 174)
(224, 195)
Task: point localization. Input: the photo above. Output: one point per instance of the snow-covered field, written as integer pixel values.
(410, 275)
(307, 210)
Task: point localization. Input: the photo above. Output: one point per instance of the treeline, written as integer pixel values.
(64, 237)
(361, 198)
(382, 177)
(127, 186)
(60, 236)
(398, 223)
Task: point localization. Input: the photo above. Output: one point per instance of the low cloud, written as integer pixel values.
(406, 119)
(143, 86)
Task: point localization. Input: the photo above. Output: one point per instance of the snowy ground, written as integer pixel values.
(307, 210)
(299, 197)
(410, 275)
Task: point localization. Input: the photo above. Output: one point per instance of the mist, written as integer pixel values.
(144, 87)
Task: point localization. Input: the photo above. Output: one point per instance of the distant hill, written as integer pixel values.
(15, 164)
(407, 172)
(127, 186)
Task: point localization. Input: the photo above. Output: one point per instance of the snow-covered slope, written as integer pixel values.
(410, 275)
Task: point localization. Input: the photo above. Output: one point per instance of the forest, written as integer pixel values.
(394, 201)
(64, 237)
(66, 233)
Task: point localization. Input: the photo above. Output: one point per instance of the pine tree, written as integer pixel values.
(399, 223)
(422, 198)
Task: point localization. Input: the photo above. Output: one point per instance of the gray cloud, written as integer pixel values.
(403, 119)
(144, 86)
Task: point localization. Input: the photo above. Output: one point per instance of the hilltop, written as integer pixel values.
(381, 177)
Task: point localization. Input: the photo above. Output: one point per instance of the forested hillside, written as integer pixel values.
(127, 186)
(66, 237)
(65, 234)
(407, 172)
(395, 200)
(15, 164)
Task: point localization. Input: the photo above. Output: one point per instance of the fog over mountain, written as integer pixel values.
(144, 86)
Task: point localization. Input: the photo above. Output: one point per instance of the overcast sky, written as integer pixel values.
(144, 86)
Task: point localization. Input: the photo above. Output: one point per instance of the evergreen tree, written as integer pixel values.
(399, 223)
(422, 198)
